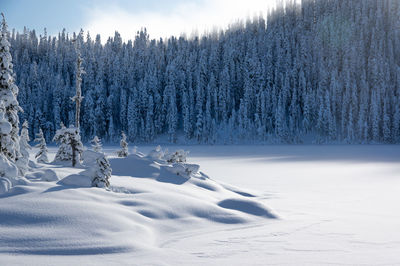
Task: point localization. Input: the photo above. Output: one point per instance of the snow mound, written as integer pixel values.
(77, 180)
(7, 169)
(246, 206)
(184, 169)
(183, 186)
(5, 185)
(89, 157)
(9, 175)
(43, 175)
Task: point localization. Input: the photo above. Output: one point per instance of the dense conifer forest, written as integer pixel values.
(320, 72)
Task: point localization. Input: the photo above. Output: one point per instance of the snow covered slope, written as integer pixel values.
(58, 218)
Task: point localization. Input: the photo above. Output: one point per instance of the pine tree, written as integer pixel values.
(197, 85)
(64, 152)
(70, 145)
(79, 71)
(124, 146)
(41, 156)
(76, 144)
(8, 170)
(24, 148)
(8, 95)
(5, 130)
(102, 173)
(96, 144)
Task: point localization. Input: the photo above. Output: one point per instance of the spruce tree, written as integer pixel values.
(70, 145)
(64, 152)
(8, 170)
(24, 148)
(76, 145)
(96, 144)
(5, 130)
(41, 156)
(102, 173)
(124, 146)
(8, 95)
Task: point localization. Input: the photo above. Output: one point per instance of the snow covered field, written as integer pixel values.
(261, 205)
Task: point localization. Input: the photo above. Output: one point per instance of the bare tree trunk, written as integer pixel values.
(73, 147)
(78, 97)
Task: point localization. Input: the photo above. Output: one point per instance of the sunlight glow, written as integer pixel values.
(185, 18)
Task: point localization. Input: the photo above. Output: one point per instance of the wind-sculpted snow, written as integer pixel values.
(58, 213)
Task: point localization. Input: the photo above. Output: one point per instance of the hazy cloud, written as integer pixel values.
(184, 17)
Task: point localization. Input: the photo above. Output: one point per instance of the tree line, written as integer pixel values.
(319, 71)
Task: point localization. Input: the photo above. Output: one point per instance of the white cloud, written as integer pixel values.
(184, 18)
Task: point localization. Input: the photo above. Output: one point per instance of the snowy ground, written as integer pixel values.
(335, 205)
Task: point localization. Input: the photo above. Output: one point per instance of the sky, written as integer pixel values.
(162, 18)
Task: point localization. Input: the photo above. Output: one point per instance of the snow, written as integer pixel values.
(246, 205)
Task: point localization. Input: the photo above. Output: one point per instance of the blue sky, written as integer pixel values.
(161, 17)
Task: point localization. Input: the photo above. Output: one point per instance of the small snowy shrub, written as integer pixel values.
(191, 168)
(98, 168)
(102, 173)
(156, 154)
(184, 169)
(178, 156)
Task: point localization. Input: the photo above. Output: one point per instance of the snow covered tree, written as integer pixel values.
(76, 144)
(102, 172)
(24, 147)
(302, 75)
(70, 145)
(5, 129)
(8, 95)
(41, 156)
(178, 156)
(8, 170)
(96, 144)
(124, 146)
(64, 152)
(78, 80)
